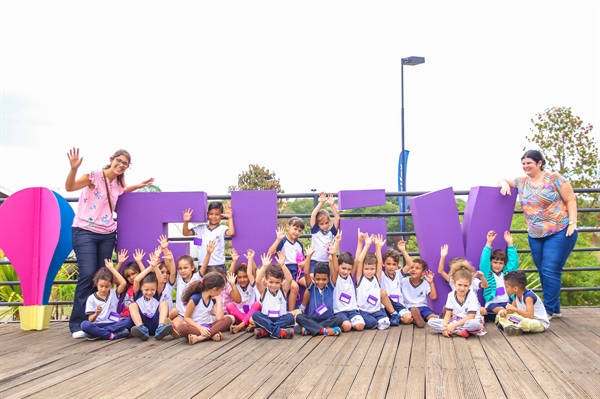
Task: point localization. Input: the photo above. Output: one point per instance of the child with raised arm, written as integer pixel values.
(407, 259)
(168, 273)
(494, 265)
(527, 313)
(147, 310)
(273, 282)
(288, 242)
(212, 230)
(322, 231)
(416, 289)
(244, 294)
(320, 319)
(390, 284)
(203, 299)
(101, 307)
(368, 275)
(344, 293)
(461, 316)
(129, 272)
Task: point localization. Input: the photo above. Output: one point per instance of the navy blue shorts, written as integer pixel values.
(425, 311)
(372, 319)
(151, 323)
(348, 315)
(294, 270)
(495, 305)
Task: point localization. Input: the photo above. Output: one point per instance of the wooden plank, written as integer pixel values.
(342, 386)
(581, 334)
(485, 372)
(291, 382)
(449, 369)
(436, 381)
(367, 368)
(399, 375)
(589, 356)
(381, 377)
(325, 384)
(285, 367)
(415, 385)
(466, 369)
(515, 379)
(567, 362)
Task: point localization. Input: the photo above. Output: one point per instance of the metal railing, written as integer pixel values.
(315, 196)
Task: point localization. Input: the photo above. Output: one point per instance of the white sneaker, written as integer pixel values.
(78, 334)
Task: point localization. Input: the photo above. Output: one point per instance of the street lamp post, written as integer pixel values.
(402, 162)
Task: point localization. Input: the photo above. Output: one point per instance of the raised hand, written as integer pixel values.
(227, 212)
(361, 236)
(322, 197)
(280, 233)
(429, 276)
(402, 245)
(331, 200)
(508, 238)
(109, 263)
(74, 159)
(310, 251)
(249, 254)
(231, 278)
(187, 214)
(338, 237)
(265, 259)
(138, 255)
(378, 239)
(491, 236)
(234, 255)
(444, 251)
(479, 274)
(163, 241)
(369, 239)
(211, 246)
(122, 256)
(146, 182)
(167, 254)
(280, 258)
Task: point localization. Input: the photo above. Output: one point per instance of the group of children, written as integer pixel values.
(342, 292)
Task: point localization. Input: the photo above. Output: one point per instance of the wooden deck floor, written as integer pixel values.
(402, 362)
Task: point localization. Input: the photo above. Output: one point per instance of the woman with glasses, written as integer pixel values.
(94, 228)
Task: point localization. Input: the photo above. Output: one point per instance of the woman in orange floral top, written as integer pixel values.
(550, 208)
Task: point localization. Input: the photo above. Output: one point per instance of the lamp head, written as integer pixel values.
(413, 60)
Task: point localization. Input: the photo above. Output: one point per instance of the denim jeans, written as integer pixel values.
(550, 254)
(90, 249)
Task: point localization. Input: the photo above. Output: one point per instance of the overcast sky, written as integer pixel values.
(197, 91)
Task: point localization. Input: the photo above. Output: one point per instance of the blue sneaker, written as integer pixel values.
(140, 332)
(124, 333)
(395, 320)
(162, 331)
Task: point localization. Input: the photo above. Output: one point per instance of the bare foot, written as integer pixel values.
(217, 337)
(251, 326)
(192, 339)
(238, 328)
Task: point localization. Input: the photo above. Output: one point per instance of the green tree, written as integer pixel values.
(150, 188)
(569, 149)
(257, 178)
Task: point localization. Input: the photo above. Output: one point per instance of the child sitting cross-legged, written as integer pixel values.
(243, 294)
(527, 312)
(273, 282)
(147, 310)
(390, 283)
(319, 319)
(461, 313)
(416, 289)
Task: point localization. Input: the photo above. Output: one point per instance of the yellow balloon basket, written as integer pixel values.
(36, 317)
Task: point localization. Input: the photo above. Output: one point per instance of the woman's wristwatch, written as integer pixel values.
(571, 222)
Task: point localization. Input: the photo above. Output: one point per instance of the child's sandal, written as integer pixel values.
(192, 339)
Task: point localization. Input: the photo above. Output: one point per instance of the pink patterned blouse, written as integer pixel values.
(544, 208)
(93, 211)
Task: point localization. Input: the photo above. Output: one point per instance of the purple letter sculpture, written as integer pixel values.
(351, 199)
(255, 216)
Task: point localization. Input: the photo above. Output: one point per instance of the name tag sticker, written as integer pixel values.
(395, 298)
(246, 308)
(198, 241)
(321, 310)
(372, 300)
(114, 317)
(345, 298)
(273, 313)
(500, 291)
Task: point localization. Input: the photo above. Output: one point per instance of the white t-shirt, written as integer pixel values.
(463, 309)
(320, 240)
(248, 297)
(148, 307)
(202, 312)
(181, 287)
(167, 294)
(539, 310)
(368, 295)
(501, 295)
(273, 305)
(344, 295)
(218, 233)
(415, 295)
(108, 306)
(392, 286)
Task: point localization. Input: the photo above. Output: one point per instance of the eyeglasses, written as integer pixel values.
(120, 162)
